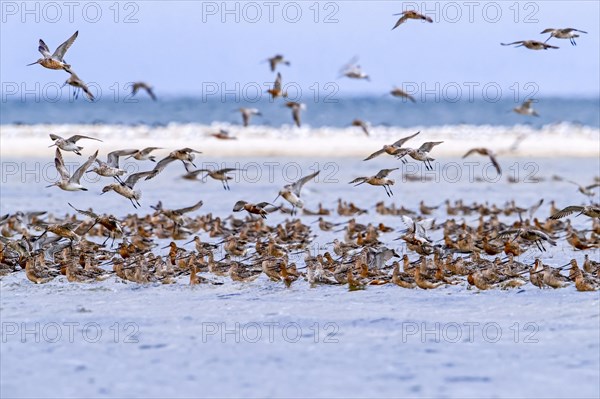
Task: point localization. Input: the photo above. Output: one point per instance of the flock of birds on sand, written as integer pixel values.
(485, 256)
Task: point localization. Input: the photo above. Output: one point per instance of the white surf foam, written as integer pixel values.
(520, 140)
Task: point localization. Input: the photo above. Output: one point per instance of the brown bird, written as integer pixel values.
(276, 91)
(566, 33)
(185, 155)
(362, 124)
(247, 113)
(526, 108)
(277, 59)
(410, 14)
(296, 108)
(55, 60)
(591, 211)
(380, 179)
(486, 152)
(256, 209)
(397, 92)
(136, 86)
(392, 149)
(531, 45)
(78, 84)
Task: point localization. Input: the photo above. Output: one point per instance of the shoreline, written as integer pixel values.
(562, 140)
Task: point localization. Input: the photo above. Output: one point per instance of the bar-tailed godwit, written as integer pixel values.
(55, 60)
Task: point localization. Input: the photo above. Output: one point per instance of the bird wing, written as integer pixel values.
(349, 65)
(400, 21)
(113, 157)
(151, 93)
(423, 226)
(566, 212)
(296, 116)
(384, 172)
(159, 167)
(82, 169)
(495, 163)
(59, 163)
(226, 170)
(43, 49)
(54, 137)
(375, 154)
(471, 151)
(357, 180)
(403, 140)
(277, 84)
(86, 213)
(189, 208)
(508, 233)
(297, 186)
(148, 150)
(77, 137)
(187, 149)
(409, 223)
(62, 49)
(510, 44)
(133, 178)
(87, 91)
(426, 147)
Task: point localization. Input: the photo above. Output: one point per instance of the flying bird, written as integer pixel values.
(362, 124)
(291, 192)
(353, 71)
(276, 90)
(391, 149)
(247, 114)
(488, 153)
(78, 84)
(531, 45)
(410, 14)
(397, 92)
(126, 188)
(592, 211)
(296, 108)
(380, 179)
(55, 60)
(68, 182)
(566, 33)
(275, 60)
(136, 86)
(185, 155)
(526, 108)
(69, 144)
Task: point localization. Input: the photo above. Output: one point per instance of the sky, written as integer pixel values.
(196, 48)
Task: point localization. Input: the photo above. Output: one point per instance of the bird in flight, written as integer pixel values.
(410, 14)
(531, 45)
(526, 108)
(486, 152)
(136, 86)
(566, 33)
(55, 60)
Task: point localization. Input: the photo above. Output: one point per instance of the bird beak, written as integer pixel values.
(51, 145)
(192, 240)
(278, 195)
(33, 63)
(51, 185)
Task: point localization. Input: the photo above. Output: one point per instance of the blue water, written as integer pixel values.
(377, 110)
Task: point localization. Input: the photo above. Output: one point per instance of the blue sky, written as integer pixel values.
(181, 47)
